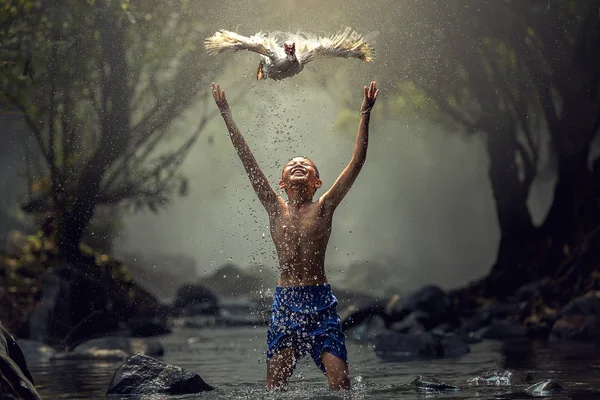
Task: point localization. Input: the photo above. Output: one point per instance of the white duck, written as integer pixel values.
(283, 55)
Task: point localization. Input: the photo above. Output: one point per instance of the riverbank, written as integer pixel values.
(47, 298)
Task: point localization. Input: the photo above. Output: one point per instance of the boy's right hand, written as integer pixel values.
(219, 96)
(371, 93)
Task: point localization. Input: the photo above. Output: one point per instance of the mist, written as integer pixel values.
(420, 212)
(422, 206)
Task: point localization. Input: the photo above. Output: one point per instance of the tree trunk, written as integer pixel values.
(514, 218)
(74, 213)
(564, 226)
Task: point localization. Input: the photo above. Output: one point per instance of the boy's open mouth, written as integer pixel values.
(298, 172)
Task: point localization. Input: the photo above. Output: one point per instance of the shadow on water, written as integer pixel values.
(73, 379)
(232, 360)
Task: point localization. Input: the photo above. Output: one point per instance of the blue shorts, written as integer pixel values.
(305, 318)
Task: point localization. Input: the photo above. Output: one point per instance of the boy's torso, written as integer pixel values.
(301, 235)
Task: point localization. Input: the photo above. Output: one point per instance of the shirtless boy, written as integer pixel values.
(304, 319)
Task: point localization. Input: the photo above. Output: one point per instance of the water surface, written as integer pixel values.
(232, 360)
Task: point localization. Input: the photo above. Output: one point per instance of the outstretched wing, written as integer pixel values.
(347, 44)
(230, 41)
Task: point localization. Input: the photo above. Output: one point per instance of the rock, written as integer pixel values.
(354, 315)
(477, 321)
(407, 347)
(430, 299)
(367, 330)
(575, 327)
(112, 348)
(429, 384)
(142, 327)
(195, 300)
(530, 291)
(470, 337)
(143, 375)
(578, 320)
(161, 273)
(588, 304)
(416, 322)
(393, 346)
(442, 329)
(241, 312)
(502, 310)
(501, 330)
(194, 322)
(16, 382)
(454, 346)
(360, 300)
(544, 388)
(87, 300)
(47, 314)
(36, 352)
(232, 281)
(537, 331)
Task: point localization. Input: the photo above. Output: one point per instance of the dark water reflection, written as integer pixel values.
(232, 360)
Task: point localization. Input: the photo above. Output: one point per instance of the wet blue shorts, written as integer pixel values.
(305, 318)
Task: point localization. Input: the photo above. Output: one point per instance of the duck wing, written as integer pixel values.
(223, 41)
(346, 44)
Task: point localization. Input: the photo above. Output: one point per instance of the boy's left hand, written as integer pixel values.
(370, 97)
(219, 96)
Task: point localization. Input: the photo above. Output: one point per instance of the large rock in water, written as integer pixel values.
(143, 375)
(16, 382)
(394, 346)
(113, 348)
(194, 299)
(430, 299)
(87, 298)
(67, 299)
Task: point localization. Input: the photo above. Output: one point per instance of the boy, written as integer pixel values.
(304, 319)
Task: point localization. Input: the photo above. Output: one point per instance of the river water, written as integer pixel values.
(232, 360)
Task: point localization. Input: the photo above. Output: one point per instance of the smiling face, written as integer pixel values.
(300, 173)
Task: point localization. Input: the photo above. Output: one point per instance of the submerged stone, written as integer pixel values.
(143, 375)
(426, 383)
(544, 388)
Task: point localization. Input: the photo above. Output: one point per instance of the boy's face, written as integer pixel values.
(299, 172)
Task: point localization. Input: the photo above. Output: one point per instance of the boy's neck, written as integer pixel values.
(299, 198)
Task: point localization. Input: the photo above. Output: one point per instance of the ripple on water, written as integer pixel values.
(232, 360)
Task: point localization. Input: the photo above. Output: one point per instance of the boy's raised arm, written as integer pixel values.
(334, 196)
(260, 183)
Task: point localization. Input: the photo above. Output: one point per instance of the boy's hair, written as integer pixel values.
(311, 161)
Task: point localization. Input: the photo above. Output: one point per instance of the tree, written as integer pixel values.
(515, 72)
(110, 79)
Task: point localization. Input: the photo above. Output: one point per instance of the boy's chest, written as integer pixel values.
(307, 222)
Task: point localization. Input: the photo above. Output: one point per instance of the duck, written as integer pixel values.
(284, 55)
